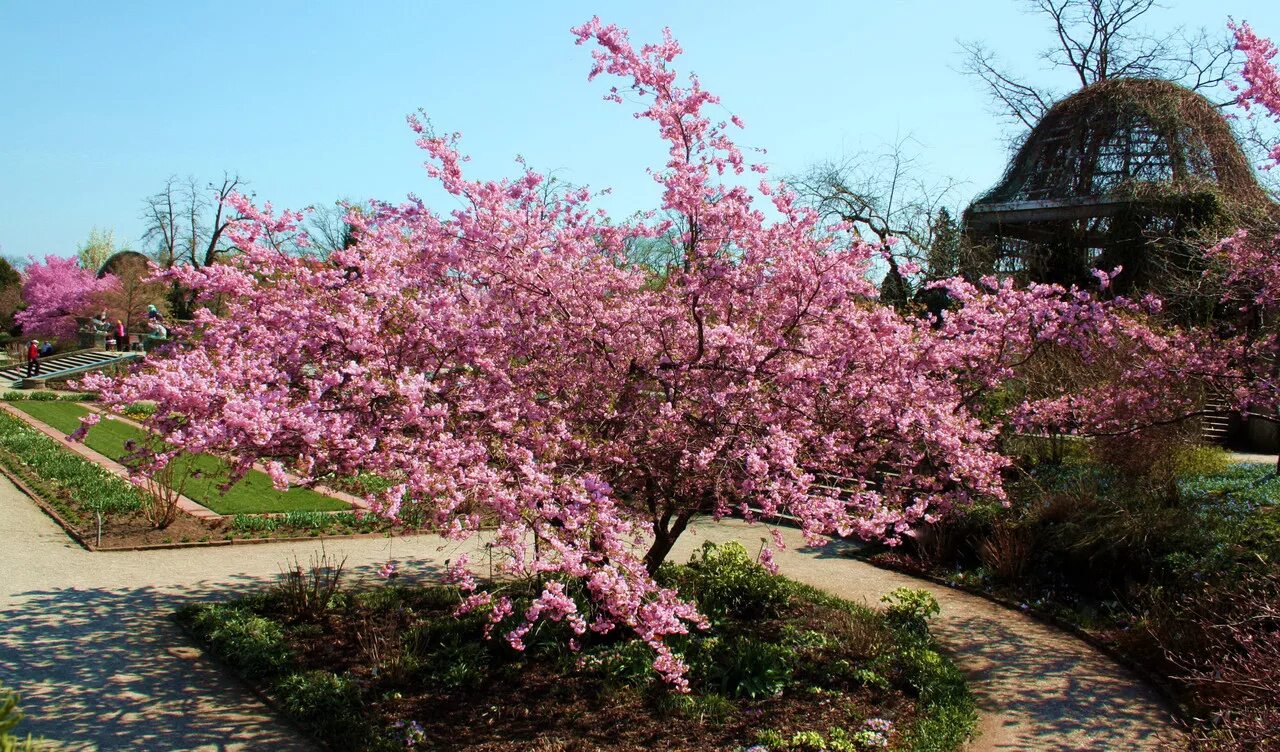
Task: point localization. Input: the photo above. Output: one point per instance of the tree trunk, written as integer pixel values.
(665, 534)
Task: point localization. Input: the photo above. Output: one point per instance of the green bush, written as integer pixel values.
(453, 652)
(324, 702)
(253, 645)
(726, 583)
(739, 666)
(948, 712)
(910, 610)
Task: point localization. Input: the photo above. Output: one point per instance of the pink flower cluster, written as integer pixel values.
(56, 291)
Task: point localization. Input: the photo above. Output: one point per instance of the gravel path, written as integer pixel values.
(87, 641)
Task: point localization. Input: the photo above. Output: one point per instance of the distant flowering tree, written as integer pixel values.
(1252, 257)
(55, 292)
(509, 362)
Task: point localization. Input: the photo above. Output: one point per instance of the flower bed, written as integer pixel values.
(782, 667)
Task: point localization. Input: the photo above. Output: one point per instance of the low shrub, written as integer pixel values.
(948, 710)
(1006, 551)
(727, 583)
(1228, 651)
(740, 666)
(251, 644)
(910, 610)
(307, 592)
(10, 717)
(325, 702)
(10, 714)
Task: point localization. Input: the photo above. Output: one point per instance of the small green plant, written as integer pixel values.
(704, 708)
(911, 609)
(728, 584)
(138, 410)
(306, 593)
(10, 717)
(253, 645)
(623, 663)
(254, 523)
(323, 701)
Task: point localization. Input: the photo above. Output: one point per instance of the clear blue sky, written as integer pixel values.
(103, 101)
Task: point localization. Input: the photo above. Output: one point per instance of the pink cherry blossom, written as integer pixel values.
(56, 291)
(507, 360)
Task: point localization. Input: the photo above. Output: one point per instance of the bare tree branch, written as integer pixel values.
(1096, 40)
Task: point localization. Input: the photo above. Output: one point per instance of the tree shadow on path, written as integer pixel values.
(1077, 699)
(109, 669)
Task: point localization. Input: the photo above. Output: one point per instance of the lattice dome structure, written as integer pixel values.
(1137, 173)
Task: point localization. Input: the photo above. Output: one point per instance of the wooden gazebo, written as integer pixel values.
(1138, 173)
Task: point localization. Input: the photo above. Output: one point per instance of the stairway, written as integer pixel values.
(1215, 421)
(65, 364)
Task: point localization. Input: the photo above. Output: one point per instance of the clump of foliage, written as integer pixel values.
(309, 523)
(1229, 652)
(10, 717)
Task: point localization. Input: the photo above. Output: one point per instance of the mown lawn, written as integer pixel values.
(203, 473)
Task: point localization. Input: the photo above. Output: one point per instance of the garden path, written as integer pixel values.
(87, 640)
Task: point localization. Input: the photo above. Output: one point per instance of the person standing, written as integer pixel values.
(33, 358)
(122, 336)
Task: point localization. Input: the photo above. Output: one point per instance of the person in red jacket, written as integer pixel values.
(122, 336)
(33, 358)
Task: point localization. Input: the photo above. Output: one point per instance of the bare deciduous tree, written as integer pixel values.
(186, 223)
(328, 230)
(887, 197)
(1094, 40)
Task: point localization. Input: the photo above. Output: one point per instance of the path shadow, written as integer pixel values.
(1077, 700)
(108, 669)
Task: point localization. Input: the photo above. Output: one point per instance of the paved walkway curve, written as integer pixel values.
(86, 639)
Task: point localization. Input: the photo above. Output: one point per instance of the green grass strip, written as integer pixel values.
(253, 494)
